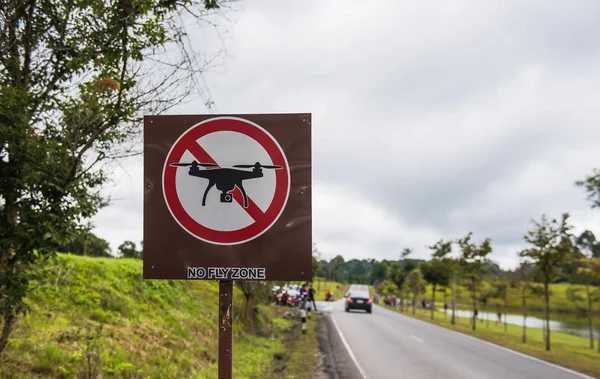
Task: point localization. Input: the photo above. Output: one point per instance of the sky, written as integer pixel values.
(429, 119)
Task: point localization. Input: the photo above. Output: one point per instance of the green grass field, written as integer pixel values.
(567, 350)
(150, 328)
(559, 301)
(338, 289)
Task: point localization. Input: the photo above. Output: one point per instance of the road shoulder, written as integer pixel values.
(337, 363)
(578, 360)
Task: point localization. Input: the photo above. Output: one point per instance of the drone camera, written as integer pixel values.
(226, 198)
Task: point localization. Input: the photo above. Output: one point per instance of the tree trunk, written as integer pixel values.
(497, 311)
(9, 322)
(589, 314)
(453, 318)
(547, 303)
(433, 300)
(505, 306)
(474, 302)
(445, 302)
(524, 298)
(414, 301)
(7, 265)
(487, 315)
(401, 301)
(248, 311)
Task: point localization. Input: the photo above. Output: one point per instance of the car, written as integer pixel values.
(359, 300)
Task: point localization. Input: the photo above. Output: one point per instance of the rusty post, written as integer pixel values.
(225, 329)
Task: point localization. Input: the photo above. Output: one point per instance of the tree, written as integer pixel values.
(435, 271)
(587, 241)
(485, 294)
(128, 249)
(551, 246)
(405, 253)
(414, 282)
(525, 275)
(358, 271)
(591, 184)
(378, 272)
(442, 251)
(471, 260)
(407, 265)
(316, 258)
(253, 291)
(337, 268)
(87, 243)
(73, 90)
(501, 285)
(397, 276)
(585, 245)
(574, 295)
(590, 269)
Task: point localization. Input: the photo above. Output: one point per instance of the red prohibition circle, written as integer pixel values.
(261, 224)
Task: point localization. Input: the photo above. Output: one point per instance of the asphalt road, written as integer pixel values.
(386, 344)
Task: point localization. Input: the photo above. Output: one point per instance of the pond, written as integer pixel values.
(565, 323)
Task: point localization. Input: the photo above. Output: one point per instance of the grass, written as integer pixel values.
(567, 350)
(338, 289)
(288, 354)
(372, 291)
(559, 302)
(99, 315)
(299, 356)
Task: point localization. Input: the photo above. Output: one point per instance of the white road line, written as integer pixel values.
(416, 338)
(581, 375)
(362, 373)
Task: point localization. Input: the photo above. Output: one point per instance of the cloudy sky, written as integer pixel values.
(430, 119)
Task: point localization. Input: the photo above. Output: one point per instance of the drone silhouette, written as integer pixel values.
(226, 179)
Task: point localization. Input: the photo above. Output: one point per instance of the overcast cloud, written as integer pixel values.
(430, 119)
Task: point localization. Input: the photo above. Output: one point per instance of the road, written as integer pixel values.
(387, 344)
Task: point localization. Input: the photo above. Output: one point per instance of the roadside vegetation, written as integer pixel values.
(94, 316)
(568, 350)
(322, 286)
(299, 355)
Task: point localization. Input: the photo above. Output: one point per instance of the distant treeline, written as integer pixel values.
(372, 271)
(87, 243)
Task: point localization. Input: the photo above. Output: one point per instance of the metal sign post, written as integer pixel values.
(228, 197)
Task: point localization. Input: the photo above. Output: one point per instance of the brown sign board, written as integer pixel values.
(228, 197)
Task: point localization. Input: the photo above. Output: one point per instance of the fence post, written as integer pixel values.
(303, 319)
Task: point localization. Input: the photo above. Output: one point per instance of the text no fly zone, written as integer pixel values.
(233, 273)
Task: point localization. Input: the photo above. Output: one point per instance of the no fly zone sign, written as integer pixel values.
(227, 197)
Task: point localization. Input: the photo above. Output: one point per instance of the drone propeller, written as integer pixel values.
(256, 165)
(195, 164)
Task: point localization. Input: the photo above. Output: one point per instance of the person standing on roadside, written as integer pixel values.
(311, 297)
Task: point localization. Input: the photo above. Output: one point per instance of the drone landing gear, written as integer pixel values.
(243, 194)
(210, 185)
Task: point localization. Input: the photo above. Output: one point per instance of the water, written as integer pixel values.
(572, 325)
